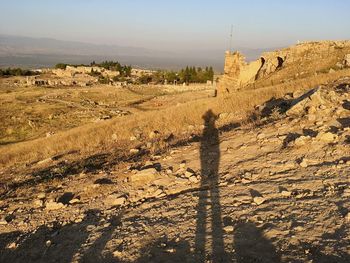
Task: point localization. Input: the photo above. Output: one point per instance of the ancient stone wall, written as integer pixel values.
(238, 73)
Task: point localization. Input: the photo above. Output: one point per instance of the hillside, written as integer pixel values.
(174, 174)
(286, 196)
(285, 65)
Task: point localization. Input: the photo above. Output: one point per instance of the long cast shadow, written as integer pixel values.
(209, 221)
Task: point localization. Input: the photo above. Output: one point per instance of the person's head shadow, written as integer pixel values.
(209, 119)
(250, 245)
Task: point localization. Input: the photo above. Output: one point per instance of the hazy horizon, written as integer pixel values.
(180, 25)
(29, 52)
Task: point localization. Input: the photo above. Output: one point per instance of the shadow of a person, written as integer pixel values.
(209, 208)
(250, 245)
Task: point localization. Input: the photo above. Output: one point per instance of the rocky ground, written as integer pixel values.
(277, 192)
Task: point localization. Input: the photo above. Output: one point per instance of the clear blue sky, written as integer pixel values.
(178, 24)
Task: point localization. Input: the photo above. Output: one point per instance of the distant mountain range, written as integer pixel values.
(18, 51)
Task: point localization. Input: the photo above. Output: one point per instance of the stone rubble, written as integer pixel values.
(285, 183)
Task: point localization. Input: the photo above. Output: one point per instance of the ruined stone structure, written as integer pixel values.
(79, 76)
(238, 73)
(35, 81)
(142, 72)
(71, 71)
(47, 79)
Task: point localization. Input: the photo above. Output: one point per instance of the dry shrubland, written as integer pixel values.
(115, 134)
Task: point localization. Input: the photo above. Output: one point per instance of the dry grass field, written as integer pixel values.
(31, 115)
(40, 123)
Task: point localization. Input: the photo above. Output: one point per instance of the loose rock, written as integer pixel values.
(114, 200)
(54, 205)
(259, 200)
(303, 163)
(134, 151)
(326, 137)
(144, 176)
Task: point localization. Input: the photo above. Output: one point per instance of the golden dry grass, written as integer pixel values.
(30, 112)
(98, 137)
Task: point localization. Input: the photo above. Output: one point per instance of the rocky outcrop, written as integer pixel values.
(316, 56)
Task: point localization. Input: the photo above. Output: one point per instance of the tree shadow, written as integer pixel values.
(63, 170)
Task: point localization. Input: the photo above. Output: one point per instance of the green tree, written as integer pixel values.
(171, 76)
(61, 66)
(187, 75)
(145, 79)
(210, 74)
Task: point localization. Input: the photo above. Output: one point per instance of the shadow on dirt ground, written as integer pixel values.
(209, 218)
(59, 243)
(86, 241)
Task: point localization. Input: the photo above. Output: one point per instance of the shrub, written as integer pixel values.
(16, 72)
(61, 66)
(103, 80)
(94, 73)
(185, 75)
